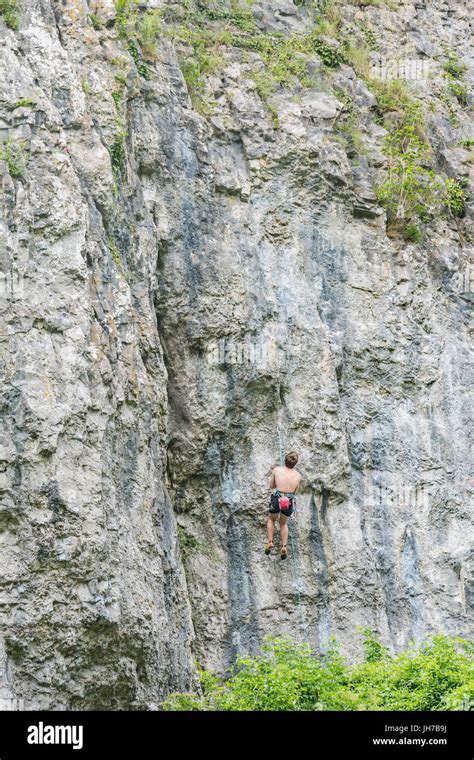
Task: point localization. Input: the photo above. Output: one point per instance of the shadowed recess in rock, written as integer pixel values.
(244, 634)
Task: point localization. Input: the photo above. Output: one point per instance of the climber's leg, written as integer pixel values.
(270, 531)
(273, 512)
(283, 532)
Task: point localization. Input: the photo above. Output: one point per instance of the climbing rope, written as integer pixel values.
(280, 444)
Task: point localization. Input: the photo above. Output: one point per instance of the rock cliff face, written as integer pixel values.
(180, 278)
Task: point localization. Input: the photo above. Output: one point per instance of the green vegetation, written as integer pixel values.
(453, 67)
(393, 96)
(96, 20)
(127, 15)
(265, 85)
(203, 33)
(454, 70)
(438, 675)
(121, 79)
(150, 27)
(454, 196)
(459, 90)
(127, 11)
(140, 30)
(410, 187)
(15, 156)
(117, 259)
(332, 56)
(23, 103)
(118, 150)
(347, 129)
(117, 96)
(444, 96)
(120, 60)
(9, 11)
(356, 139)
(369, 36)
(413, 233)
(359, 58)
(115, 252)
(196, 60)
(142, 67)
(202, 36)
(186, 542)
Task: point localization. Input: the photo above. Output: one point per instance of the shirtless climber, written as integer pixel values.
(285, 480)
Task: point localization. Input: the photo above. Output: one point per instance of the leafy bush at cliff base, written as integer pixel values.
(438, 675)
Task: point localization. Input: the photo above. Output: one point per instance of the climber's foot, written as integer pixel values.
(269, 547)
(283, 553)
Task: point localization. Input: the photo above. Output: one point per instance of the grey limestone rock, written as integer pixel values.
(176, 287)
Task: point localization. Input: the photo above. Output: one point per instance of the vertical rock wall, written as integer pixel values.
(162, 319)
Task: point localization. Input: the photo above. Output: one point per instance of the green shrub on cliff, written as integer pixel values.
(14, 154)
(410, 188)
(139, 29)
(455, 196)
(452, 66)
(453, 71)
(438, 675)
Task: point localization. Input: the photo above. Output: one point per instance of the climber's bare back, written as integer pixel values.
(285, 479)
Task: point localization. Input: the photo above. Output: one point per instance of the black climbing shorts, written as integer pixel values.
(275, 506)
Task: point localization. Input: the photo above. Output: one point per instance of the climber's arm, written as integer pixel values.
(272, 480)
(297, 486)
